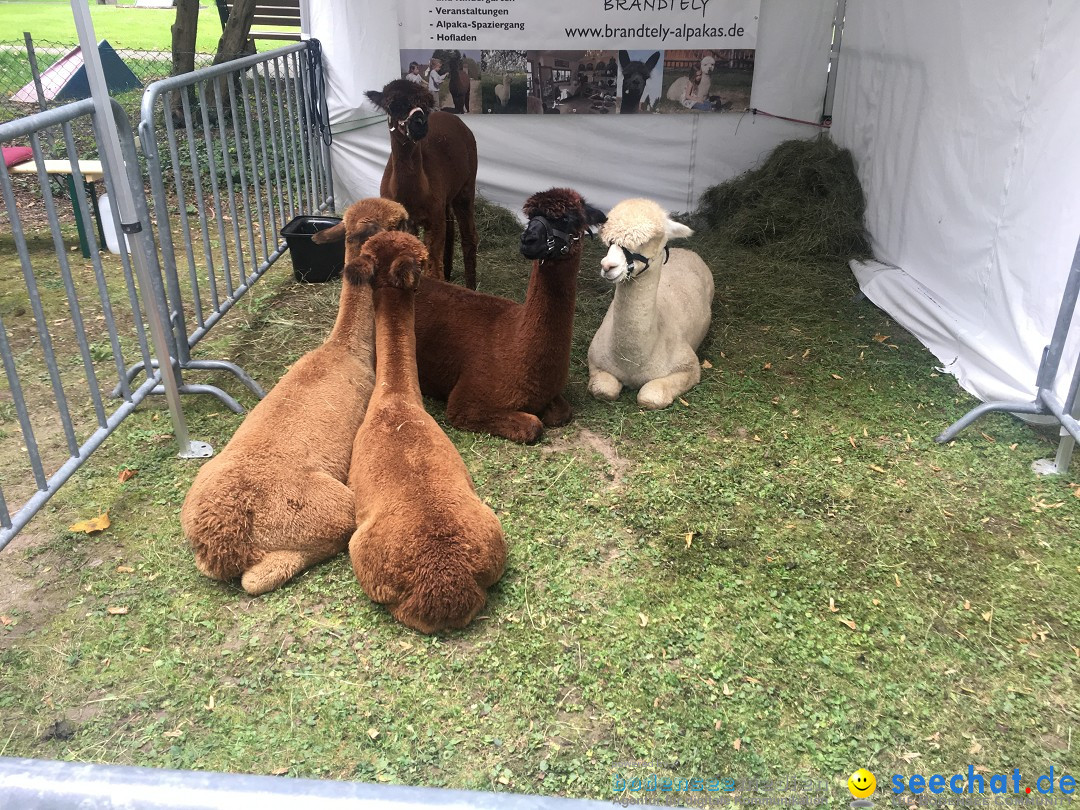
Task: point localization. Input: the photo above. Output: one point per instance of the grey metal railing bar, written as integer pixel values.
(208, 139)
(226, 162)
(242, 171)
(1046, 402)
(252, 152)
(35, 296)
(20, 409)
(32, 784)
(69, 282)
(181, 208)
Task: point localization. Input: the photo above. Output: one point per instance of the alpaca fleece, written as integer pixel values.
(432, 172)
(425, 545)
(649, 336)
(274, 501)
(502, 366)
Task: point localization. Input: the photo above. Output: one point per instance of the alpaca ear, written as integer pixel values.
(676, 230)
(376, 98)
(405, 270)
(360, 270)
(651, 63)
(624, 59)
(594, 216)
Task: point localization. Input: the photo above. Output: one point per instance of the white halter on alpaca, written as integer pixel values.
(650, 334)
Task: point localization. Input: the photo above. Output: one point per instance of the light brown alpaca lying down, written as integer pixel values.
(274, 501)
(425, 545)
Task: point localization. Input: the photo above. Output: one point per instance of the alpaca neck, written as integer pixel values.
(634, 318)
(395, 344)
(352, 329)
(407, 158)
(549, 300)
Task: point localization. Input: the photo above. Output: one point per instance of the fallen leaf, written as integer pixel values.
(689, 538)
(209, 704)
(806, 354)
(126, 475)
(125, 569)
(897, 578)
(988, 615)
(990, 439)
(876, 468)
(727, 690)
(117, 610)
(706, 364)
(684, 402)
(5, 620)
(880, 338)
(737, 744)
(852, 440)
(836, 376)
(975, 748)
(643, 620)
(718, 724)
(847, 623)
(98, 524)
(279, 771)
(875, 602)
(767, 366)
(967, 605)
(910, 757)
(832, 606)
(503, 780)
(373, 733)
(750, 679)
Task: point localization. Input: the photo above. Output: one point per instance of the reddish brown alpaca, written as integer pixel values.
(425, 545)
(274, 501)
(432, 172)
(502, 366)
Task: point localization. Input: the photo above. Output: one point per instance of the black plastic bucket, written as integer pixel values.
(313, 263)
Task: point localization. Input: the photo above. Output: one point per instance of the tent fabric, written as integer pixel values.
(962, 118)
(670, 158)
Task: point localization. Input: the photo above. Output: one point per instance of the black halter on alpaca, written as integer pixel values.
(558, 242)
(634, 258)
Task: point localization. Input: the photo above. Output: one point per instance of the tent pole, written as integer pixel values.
(834, 58)
(144, 252)
(1046, 402)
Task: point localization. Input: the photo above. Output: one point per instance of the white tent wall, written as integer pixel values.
(963, 121)
(671, 158)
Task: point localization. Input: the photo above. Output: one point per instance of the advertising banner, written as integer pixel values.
(595, 57)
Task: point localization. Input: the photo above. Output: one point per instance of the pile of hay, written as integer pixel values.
(803, 202)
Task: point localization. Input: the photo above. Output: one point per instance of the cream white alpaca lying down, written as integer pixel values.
(661, 310)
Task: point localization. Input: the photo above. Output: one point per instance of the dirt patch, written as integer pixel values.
(585, 439)
(29, 591)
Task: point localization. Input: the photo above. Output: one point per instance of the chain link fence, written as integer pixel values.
(18, 96)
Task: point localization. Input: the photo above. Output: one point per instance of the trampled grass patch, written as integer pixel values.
(781, 575)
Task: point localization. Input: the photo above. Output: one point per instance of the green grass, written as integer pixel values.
(851, 594)
(50, 22)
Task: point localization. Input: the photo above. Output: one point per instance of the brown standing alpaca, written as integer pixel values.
(274, 501)
(502, 366)
(432, 172)
(425, 545)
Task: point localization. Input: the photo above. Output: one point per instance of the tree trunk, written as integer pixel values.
(183, 36)
(234, 38)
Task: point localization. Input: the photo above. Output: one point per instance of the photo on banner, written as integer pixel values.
(631, 56)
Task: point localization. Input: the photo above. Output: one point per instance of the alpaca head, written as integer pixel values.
(362, 220)
(636, 73)
(708, 62)
(407, 106)
(636, 233)
(558, 218)
(390, 259)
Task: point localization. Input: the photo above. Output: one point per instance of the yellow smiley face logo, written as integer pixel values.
(862, 783)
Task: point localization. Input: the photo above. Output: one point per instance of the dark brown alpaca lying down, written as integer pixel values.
(274, 501)
(425, 545)
(502, 366)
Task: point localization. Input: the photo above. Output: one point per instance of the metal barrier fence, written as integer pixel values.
(60, 333)
(30, 784)
(233, 153)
